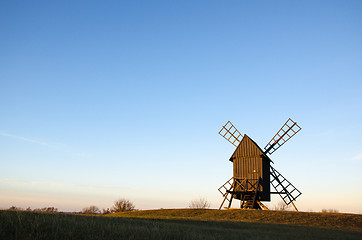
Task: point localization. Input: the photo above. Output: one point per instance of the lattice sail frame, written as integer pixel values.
(283, 187)
(230, 133)
(288, 130)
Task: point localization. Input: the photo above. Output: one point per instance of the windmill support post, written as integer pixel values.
(294, 207)
(256, 195)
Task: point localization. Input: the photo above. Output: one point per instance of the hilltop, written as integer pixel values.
(181, 224)
(341, 221)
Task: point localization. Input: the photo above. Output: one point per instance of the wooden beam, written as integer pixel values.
(295, 207)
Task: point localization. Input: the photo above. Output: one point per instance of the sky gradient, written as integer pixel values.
(103, 100)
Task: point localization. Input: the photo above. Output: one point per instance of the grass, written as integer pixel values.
(177, 224)
(340, 221)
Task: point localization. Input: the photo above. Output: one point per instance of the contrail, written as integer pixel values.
(23, 138)
(60, 147)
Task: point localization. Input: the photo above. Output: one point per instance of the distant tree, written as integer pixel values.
(330, 211)
(106, 210)
(28, 209)
(46, 209)
(13, 208)
(91, 210)
(200, 203)
(50, 209)
(123, 205)
(281, 206)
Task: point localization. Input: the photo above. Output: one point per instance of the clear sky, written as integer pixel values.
(103, 100)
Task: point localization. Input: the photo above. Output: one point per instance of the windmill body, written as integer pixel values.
(252, 165)
(252, 170)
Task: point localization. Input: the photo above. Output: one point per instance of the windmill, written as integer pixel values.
(252, 170)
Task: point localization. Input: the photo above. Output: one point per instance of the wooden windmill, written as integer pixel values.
(253, 172)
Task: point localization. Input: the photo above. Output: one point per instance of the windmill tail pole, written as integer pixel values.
(295, 207)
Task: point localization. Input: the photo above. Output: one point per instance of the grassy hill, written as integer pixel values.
(181, 224)
(341, 221)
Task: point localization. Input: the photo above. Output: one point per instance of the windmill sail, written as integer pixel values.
(230, 133)
(289, 129)
(284, 188)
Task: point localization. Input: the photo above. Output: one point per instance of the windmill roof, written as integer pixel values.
(247, 141)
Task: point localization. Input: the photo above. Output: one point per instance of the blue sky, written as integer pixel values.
(103, 100)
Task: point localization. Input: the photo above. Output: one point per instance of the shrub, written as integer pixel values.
(281, 206)
(13, 208)
(123, 205)
(91, 210)
(106, 211)
(46, 209)
(330, 211)
(200, 203)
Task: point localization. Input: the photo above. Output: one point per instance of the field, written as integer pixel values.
(181, 224)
